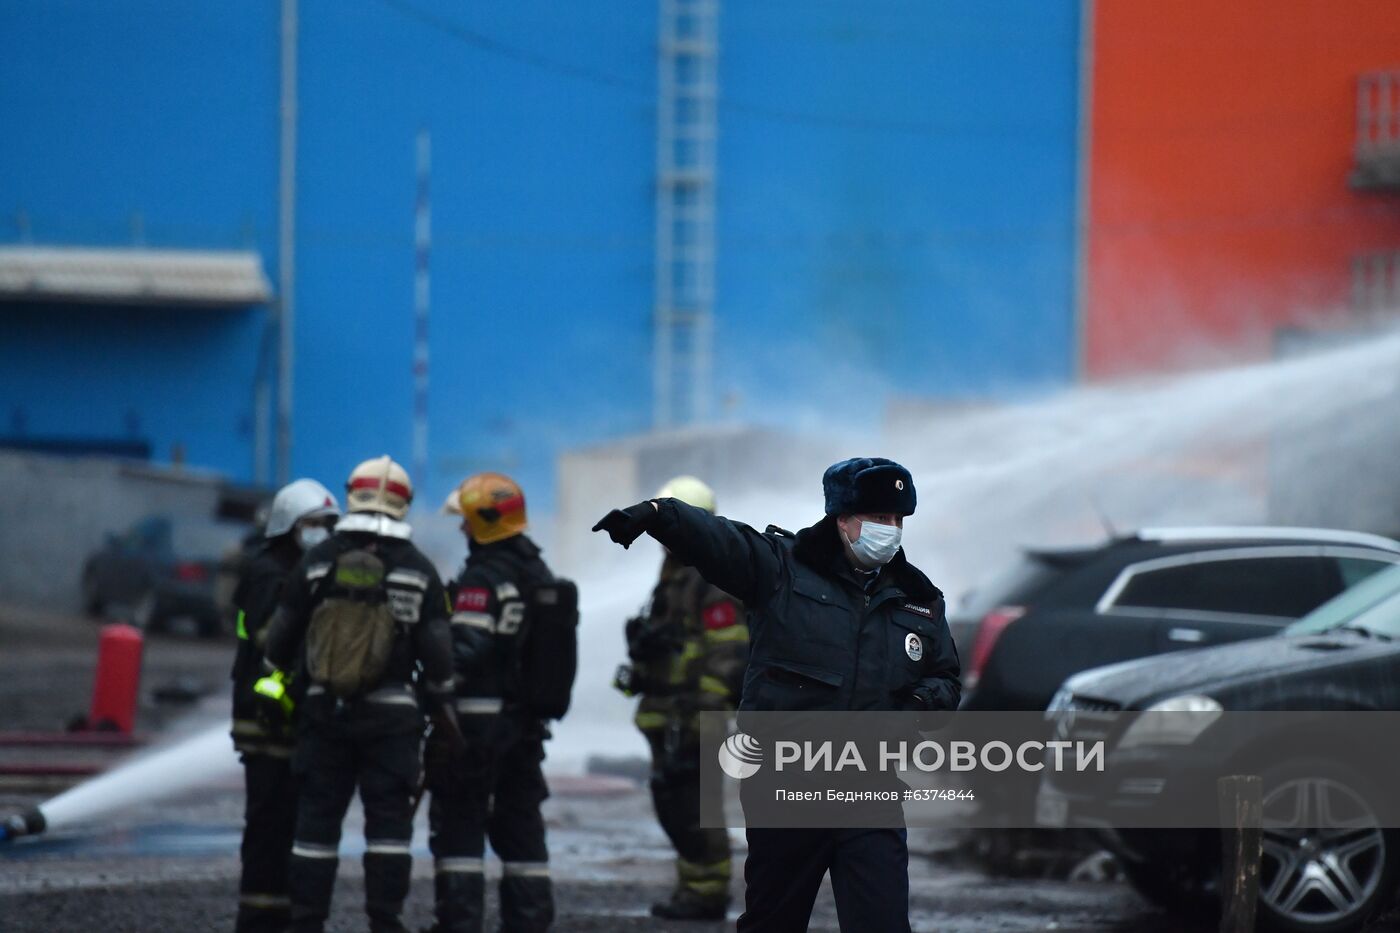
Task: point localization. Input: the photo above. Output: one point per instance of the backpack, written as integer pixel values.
(352, 630)
(549, 655)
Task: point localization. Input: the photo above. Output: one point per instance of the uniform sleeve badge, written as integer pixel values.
(720, 615)
(472, 599)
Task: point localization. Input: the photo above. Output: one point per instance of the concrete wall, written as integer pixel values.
(57, 511)
(615, 475)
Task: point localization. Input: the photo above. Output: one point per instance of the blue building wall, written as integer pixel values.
(169, 111)
(895, 214)
(896, 201)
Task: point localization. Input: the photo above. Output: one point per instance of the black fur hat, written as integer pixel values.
(869, 485)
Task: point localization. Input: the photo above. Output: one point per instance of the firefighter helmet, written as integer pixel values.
(494, 506)
(452, 505)
(689, 490)
(303, 498)
(379, 485)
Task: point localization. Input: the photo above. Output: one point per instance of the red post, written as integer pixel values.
(118, 678)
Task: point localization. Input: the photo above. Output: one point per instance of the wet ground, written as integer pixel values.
(172, 865)
(175, 868)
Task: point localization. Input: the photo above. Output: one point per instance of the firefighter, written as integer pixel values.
(300, 518)
(688, 652)
(505, 601)
(362, 609)
(841, 620)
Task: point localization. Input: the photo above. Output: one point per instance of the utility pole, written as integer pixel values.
(686, 125)
(422, 281)
(286, 244)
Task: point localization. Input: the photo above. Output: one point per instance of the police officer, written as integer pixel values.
(300, 518)
(688, 653)
(365, 608)
(497, 791)
(840, 620)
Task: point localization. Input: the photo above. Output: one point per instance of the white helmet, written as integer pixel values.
(689, 490)
(379, 485)
(452, 505)
(303, 498)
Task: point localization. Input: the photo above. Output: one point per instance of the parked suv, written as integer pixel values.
(1059, 612)
(161, 569)
(1328, 862)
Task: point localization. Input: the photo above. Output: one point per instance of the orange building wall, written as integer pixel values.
(1218, 203)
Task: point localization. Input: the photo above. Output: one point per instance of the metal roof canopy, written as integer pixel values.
(211, 279)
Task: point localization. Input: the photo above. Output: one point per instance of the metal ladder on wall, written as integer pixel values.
(686, 124)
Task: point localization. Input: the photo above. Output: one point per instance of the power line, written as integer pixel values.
(599, 77)
(493, 46)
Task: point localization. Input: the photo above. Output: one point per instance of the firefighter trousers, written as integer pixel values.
(702, 855)
(496, 793)
(269, 820)
(332, 759)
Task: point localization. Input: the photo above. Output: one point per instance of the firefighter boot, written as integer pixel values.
(685, 904)
(701, 892)
(460, 900)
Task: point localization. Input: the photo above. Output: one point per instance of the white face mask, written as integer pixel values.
(877, 544)
(311, 535)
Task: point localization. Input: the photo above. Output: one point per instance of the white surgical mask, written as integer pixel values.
(311, 535)
(877, 544)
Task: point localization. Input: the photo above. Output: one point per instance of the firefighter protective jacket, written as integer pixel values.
(821, 637)
(259, 590)
(416, 599)
(488, 610)
(692, 646)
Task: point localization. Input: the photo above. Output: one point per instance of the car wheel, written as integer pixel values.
(147, 616)
(211, 624)
(1327, 865)
(92, 600)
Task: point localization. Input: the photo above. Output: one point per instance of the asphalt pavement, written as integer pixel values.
(172, 864)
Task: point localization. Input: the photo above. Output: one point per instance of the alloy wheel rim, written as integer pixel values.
(1323, 850)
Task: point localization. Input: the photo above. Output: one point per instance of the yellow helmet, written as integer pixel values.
(689, 490)
(494, 506)
(379, 485)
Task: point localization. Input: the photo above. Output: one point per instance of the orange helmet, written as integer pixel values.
(494, 506)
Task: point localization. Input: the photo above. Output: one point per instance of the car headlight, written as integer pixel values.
(1058, 702)
(1177, 720)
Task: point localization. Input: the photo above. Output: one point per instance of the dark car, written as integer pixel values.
(1058, 612)
(160, 570)
(1315, 876)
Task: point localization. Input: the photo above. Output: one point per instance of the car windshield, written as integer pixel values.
(1374, 603)
(184, 539)
(199, 539)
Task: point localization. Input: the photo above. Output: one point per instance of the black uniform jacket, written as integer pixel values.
(820, 637)
(488, 607)
(416, 598)
(259, 590)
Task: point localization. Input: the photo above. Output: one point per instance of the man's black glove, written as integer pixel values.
(923, 699)
(627, 525)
